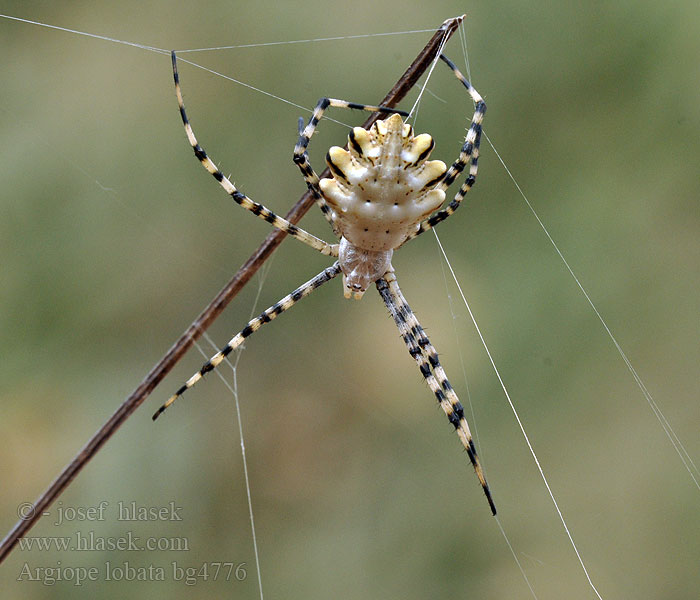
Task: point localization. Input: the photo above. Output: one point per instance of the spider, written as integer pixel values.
(383, 192)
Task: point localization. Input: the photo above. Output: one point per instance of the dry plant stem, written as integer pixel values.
(217, 305)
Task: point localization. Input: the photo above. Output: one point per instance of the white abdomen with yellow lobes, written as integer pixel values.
(382, 186)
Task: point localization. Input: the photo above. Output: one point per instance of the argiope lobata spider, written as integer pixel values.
(382, 193)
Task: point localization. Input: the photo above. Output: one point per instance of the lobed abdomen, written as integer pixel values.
(383, 186)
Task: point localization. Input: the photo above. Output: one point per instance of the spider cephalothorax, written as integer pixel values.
(381, 188)
(382, 192)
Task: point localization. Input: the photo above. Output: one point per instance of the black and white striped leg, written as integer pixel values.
(253, 325)
(239, 197)
(301, 156)
(469, 155)
(425, 355)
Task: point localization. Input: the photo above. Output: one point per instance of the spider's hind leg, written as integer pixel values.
(468, 155)
(239, 197)
(425, 355)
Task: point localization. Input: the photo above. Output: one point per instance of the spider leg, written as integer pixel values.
(425, 355)
(257, 209)
(253, 325)
(301, 156)
(468, 155)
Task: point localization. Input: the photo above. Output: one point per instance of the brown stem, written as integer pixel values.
(211, 312)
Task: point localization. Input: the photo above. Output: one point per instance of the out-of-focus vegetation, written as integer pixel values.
(113, 238)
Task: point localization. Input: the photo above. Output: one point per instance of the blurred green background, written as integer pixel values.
(113, 238)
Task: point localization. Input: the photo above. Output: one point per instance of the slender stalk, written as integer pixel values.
(213, 310)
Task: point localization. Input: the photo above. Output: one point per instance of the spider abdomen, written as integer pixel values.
(383, 186)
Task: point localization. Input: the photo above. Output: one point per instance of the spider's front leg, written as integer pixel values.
(253, 325)
(425, 355)
(301, 156)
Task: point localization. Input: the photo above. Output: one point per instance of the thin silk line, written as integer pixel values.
(262, 276)
(255, 89)
(415, 109)
(234, 390)
(91, 35)
(326, 39)
(463, 41)
(670, 433)
(517, 562)
(517, 418)
(465, 52)
(162, 51)
(473, 425)
(472, 422)
(416, 104)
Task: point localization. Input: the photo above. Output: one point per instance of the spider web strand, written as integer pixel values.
(678, 446)
(517, 418)
(86, 34)
(255, 89)
(326, 39)
(234, 391)
(474, 424)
